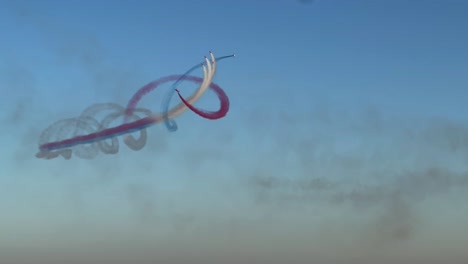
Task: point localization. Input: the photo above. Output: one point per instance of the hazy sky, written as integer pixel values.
(346, 140)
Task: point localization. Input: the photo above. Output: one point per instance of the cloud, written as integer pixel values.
(388, 169)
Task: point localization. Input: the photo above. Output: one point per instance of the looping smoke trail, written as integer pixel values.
(86, 136)
(170, 123)
(223, 109)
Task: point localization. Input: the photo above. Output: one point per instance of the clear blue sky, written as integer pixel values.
(346, 141)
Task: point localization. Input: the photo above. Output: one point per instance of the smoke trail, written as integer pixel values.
(92, 141)
(171, 124)
(223, 109)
